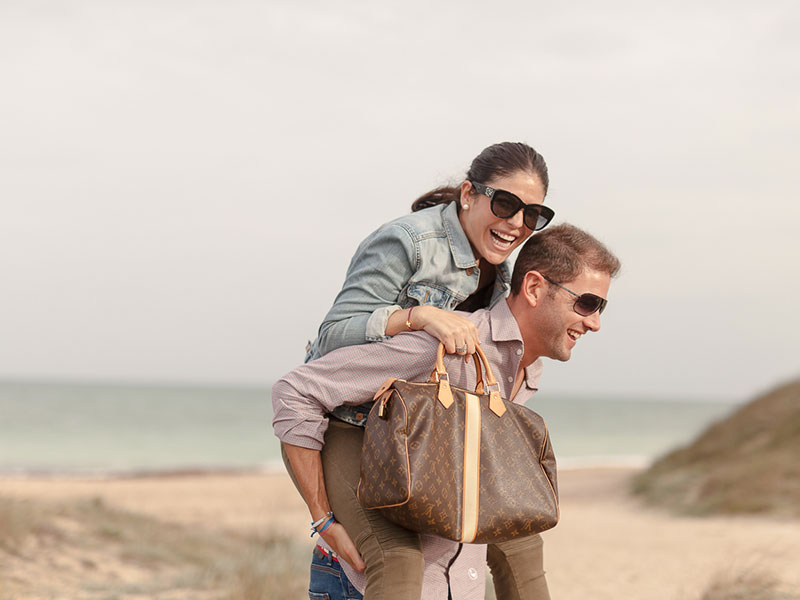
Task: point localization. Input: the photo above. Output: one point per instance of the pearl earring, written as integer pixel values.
(465, 206)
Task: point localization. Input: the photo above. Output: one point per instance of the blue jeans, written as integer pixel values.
(328, 581)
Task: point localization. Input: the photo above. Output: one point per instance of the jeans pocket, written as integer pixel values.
(325, 582)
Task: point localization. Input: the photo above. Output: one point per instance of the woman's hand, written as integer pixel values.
(337, 538)
(458, 334)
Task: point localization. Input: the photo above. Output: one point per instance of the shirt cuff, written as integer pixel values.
(376, 324)
(303, 434)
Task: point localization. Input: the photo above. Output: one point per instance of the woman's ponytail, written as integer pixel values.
(497, 160)
(441, 195)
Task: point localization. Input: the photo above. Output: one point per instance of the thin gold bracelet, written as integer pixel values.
(408, 320)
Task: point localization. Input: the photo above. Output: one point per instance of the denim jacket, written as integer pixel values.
(421, 258)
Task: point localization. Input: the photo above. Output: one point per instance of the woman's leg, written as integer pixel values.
(518, 569)
(393, 554)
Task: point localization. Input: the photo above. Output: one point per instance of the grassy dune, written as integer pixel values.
(748, 463)
(748, 585)
(90, 550)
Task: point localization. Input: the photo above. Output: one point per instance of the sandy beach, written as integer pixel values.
(607, 545)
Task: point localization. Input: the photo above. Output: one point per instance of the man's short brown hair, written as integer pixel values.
(562, 253)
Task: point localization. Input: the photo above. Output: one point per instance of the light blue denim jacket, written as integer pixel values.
(420, 258)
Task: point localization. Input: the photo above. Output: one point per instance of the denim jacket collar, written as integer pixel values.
(461, 249)
(505, 329)
(504, 273)
(459, 243)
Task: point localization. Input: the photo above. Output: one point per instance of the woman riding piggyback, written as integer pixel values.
(450, 253)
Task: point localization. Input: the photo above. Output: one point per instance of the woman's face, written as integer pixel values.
(491, 237)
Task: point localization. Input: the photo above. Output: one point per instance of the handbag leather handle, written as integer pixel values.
(490, 379)
(478, 377)
(434, 378)
(445, 394)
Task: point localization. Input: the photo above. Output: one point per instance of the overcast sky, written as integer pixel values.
(183, 183)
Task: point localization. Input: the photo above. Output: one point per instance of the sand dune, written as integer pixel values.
(607, 545)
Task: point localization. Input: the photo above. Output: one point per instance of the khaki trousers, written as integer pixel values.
(393, 554)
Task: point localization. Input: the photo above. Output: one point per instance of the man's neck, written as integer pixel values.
(517, 307)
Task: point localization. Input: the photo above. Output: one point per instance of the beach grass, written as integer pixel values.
(748, 584)
(20, 519)
(745, 464)
(88, 549)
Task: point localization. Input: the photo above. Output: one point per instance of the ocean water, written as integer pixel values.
(99, 429)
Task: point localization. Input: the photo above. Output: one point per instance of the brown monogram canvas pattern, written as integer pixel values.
(412, 466)
(523, 494)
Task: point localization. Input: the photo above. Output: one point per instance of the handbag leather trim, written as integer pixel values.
(472, 463)
(445, 394)
(384, 388)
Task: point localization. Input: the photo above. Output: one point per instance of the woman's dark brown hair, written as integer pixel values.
(497, 160)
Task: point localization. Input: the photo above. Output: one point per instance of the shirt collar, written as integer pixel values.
(505, 329)
(459, 243)
(504, 325)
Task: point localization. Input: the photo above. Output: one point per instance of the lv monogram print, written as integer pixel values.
(412, 466)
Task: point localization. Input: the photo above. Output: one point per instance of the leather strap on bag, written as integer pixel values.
(434, 378)
(445, 394)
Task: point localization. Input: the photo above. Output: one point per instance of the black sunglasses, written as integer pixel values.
(505, 205)
(586, 304)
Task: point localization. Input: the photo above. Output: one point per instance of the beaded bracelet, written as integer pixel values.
(327, 520)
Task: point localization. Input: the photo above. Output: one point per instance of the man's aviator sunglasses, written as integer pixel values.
(586, 304)
(505, 205)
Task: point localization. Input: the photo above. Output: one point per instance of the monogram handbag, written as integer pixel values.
(464, 465)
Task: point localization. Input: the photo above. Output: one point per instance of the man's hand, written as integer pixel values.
(337, 538)
(307, 468)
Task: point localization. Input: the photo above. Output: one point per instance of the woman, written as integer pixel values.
(449, 254)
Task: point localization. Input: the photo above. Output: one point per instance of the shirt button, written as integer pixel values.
(519, 352)
(473, 574)
(510, 379)
(359, 416)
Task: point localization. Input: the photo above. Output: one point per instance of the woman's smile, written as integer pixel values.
(494, 238)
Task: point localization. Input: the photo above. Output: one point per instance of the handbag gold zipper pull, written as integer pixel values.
(383, 405)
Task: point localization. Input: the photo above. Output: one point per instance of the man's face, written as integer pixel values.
(556, 325)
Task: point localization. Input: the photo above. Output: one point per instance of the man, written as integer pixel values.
(558, 290)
